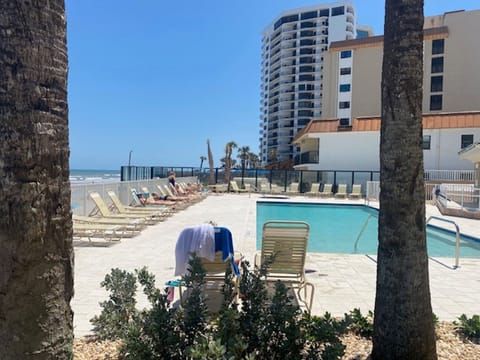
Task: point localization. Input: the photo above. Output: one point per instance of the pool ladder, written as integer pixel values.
(361, 231)
(457, 238)
(457, 235)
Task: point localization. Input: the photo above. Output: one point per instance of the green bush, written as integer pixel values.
(359, 324)
(119, 311)
(266, 327)
(470, 328)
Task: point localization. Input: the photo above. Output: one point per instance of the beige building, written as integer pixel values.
(352, 80)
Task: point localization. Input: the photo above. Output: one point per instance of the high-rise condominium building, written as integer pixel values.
(293, 48)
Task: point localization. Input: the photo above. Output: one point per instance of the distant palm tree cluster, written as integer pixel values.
(248, 159)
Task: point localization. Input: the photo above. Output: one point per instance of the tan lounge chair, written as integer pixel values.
(314, 189)
(284, 245)
(107, 232)
(102, 208)
(141, 211)
(235, 188)
(293, 188)
(356, 191)
(327, 190)
(132, 225)
(341, 191)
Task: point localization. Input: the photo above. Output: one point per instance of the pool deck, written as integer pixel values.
(342, 282)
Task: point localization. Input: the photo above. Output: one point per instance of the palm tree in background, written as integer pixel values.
(227, 160)
(243, 154)
(36, 255)
(253, 160)
(202, 159)
(403, 320)
(211, 177)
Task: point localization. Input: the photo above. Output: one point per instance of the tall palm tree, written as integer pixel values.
(210, 164)
(253, 160)
(202, 159)
(403, 319)
(243, 153)
(229, 147)
(36, 257)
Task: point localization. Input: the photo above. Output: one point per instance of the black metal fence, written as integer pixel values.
(256, 177)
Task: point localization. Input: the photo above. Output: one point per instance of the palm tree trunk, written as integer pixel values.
(403, 314)
(210, 164)
(36, 257)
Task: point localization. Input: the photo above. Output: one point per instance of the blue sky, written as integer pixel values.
(159, 78)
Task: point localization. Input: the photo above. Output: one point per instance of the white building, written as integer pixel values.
(346, 135)
(326, 148)
(293, 48)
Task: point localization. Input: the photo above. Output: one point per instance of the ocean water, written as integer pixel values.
(89, 176)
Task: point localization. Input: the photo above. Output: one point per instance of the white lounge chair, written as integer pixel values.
(327, 190)
(341, 191)
(356, 191)
(314, 189)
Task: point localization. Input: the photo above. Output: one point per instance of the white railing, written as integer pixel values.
(461, 195)
(83, 205)
(464, 196)
(373, 191)
(449, 175)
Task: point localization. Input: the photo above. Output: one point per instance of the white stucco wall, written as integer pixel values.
(444, 147)
(349, 151)
(360, 150)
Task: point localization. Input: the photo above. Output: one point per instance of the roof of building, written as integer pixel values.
(451, 120)
(428, 34)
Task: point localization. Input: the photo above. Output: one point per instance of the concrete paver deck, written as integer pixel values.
(342, 282)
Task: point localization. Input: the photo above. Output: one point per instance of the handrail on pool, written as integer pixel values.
(361, 231)
(457, 238)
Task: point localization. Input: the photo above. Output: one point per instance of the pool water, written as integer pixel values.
(335, 228)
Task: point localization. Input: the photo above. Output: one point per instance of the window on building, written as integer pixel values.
(438, 46)
(306, 68)
(345, 71)
(307, 33)
(306, 42)
(346, 54)
(344, 87)
(344, 121)
(467, 140)
(344, 105)
(307, 51)
(306, 60)
(308, 15)
(340, 10)
(305, 113)
(324, 12)
(436, 84)
(306, 78)
(435, 102)
(426, 142)
(305, 104)
(437, 65)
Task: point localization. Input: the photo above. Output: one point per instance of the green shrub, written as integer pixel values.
(470, 328)
(266, 327)
(359, 324)
(322, 335)
(119, 311)
(435, 320)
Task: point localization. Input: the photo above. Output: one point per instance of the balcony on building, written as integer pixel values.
(308, 157)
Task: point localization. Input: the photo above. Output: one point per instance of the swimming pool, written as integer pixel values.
(335, 228)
